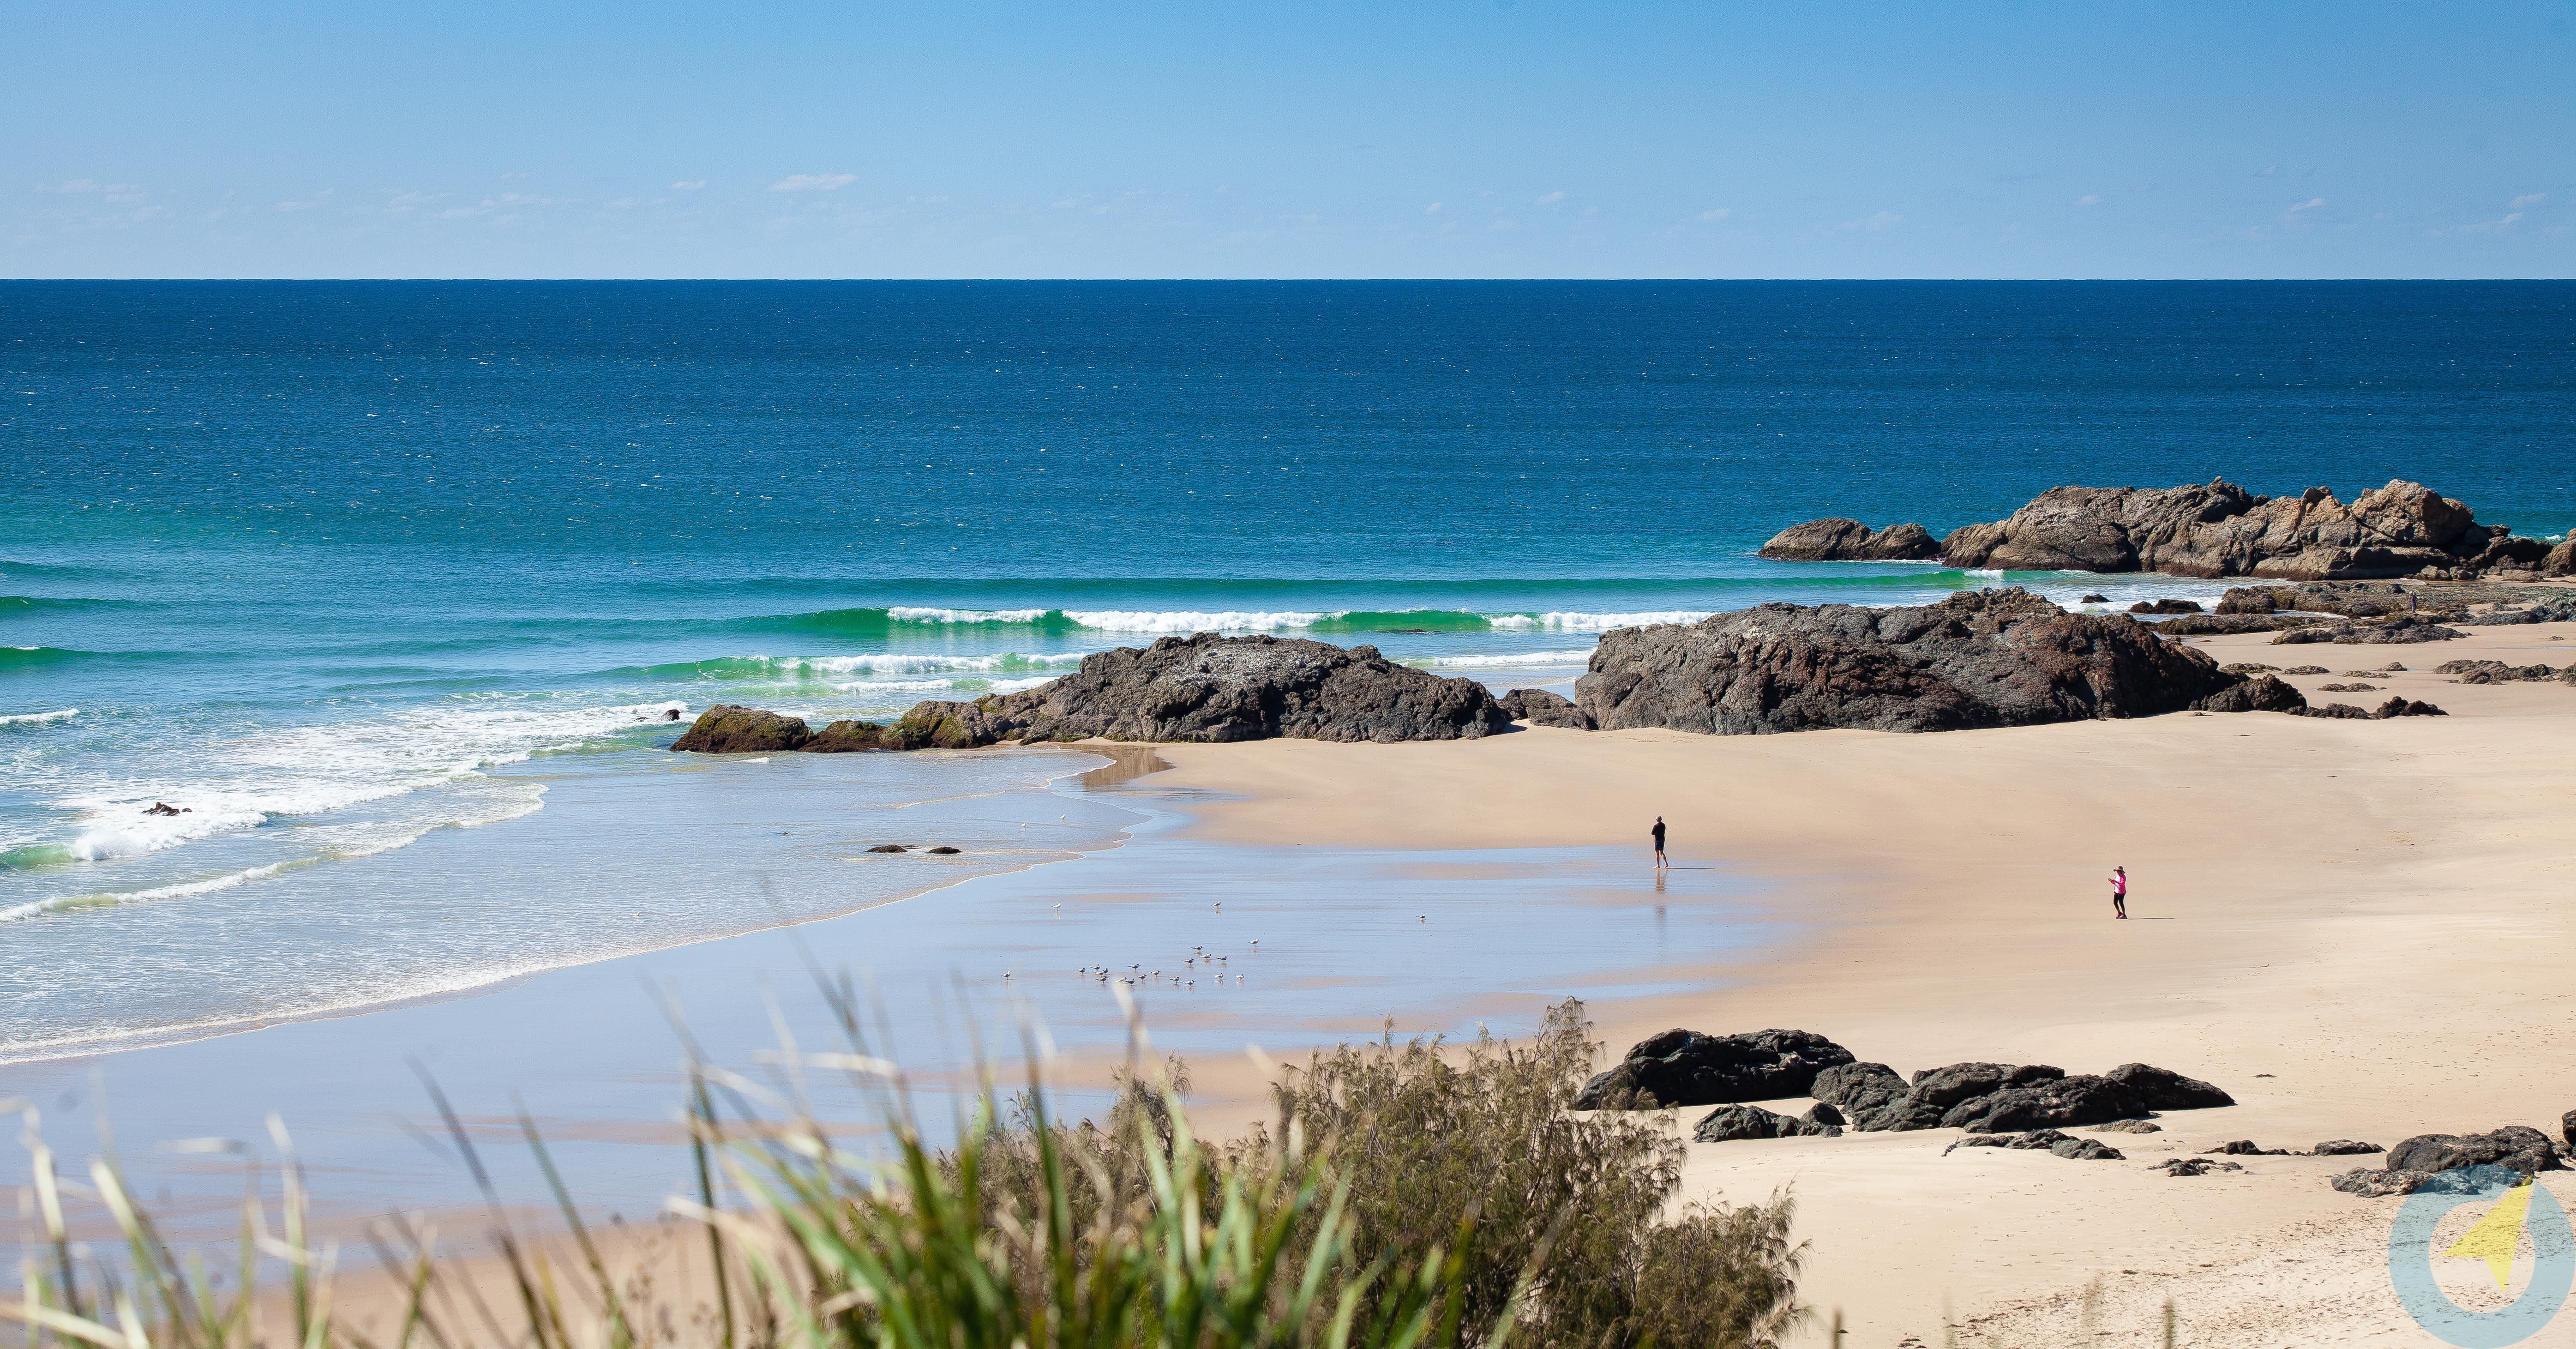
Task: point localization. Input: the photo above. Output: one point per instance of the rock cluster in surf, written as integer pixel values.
(1204, 688)
(2216, 529)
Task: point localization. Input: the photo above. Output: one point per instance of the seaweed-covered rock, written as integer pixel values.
(1538, 707)
(1730, 1123)
(2165, 1089)
(1980, 659)
(1835, 539)
(728, 729)
(1684, 1067)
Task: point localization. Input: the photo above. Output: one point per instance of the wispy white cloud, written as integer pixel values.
(81, 186)
(320, 198)
(1712, 217)
(1551, 199)
(1434, 208)
(689, 185)
(814, 182)
(2089, 199)
(2528, 199)
(1881, 221)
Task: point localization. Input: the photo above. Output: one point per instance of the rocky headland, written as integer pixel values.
(2403, 529)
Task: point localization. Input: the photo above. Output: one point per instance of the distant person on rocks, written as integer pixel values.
(1660, 859)
(2119, 883)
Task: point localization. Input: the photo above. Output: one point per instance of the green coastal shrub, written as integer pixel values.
(1406, 1198)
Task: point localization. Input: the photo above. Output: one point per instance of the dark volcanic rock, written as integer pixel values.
(2336, 712)
(2407, 707)
(1950, 1084)
(2041, 1140)
(2127, 1126)
(1903, 1115)
(2343, 1147)
(2263, 693)
(1205, 688)
(1729, 1123)
(2165, 1089)
(1539, 707)
(2515, 1146)
(2493, 671)
(1214, 689)
(2095, 599)
(2404, 628)
(2558, 609)
(942, 850)
(1683, 1067)
(1987, 658)
(1858, 1089)
(2244, 1147)
(2205, 625)
(2372, 1183)
(1821, 1114)
(889, 847)
(2059, 1104)
(2165, 606)
(727, 729)
(1840, 540)
(2222, 530)
(2193, 1166)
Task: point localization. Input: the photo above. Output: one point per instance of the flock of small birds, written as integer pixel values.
(1198, 964)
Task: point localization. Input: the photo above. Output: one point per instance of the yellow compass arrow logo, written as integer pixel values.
(2492, 1238)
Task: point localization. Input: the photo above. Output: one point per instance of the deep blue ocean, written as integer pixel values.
(340, 567)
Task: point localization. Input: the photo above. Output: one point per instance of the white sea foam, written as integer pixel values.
(313, 770)
(159, 892)
(920, 664)
(917, 614)
(22, 718)
(1189, 621)
(1565, 621)
(1511, 661)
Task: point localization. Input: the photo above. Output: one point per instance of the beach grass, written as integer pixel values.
(1411, 1195)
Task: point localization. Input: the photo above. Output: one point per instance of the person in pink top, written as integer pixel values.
(2119, 892)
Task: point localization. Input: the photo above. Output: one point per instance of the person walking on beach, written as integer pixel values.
(1660, 860)
(2119, 889)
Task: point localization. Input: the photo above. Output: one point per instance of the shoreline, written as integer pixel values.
(2336, 921)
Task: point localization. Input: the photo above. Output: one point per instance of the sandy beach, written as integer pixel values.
(2357, 928)
(2353, 926)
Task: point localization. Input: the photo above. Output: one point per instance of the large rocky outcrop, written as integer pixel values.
(2220, 529)
(2165, 1089)
(1839, 540)
(728, 729)
(1205, 688)
(1684, 1067)
(1986, 658)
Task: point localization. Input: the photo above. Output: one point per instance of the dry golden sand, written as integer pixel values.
(2361, 929)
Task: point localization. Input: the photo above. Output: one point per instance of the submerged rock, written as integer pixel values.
(1839, 540)
(1684, 1067)
(1979, 659)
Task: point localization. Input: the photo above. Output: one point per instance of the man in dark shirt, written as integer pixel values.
(1659, 843)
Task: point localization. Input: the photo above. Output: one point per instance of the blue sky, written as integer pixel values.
(1469, 139)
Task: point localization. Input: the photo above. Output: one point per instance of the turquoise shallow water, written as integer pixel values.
(357, 574)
